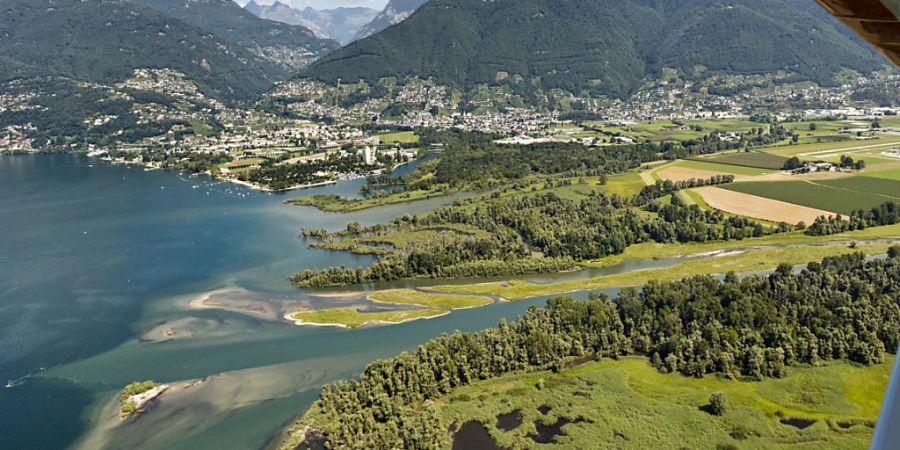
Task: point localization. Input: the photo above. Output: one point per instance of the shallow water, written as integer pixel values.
(510, 421)
(474, 436)
(99, 265)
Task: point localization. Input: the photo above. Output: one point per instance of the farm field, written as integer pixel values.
(628, 404)
(758, 207)
(402, 137)
(759, 160)
(716, 168)
(892, 174)
(811, 150)
(816, 195)
(881, 186)
(669, 131)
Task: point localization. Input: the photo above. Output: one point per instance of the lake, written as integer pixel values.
(97, 259)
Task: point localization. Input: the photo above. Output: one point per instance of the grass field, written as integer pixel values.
(650, 250)
(759, 160)
(430, 300)
(886, 187)
(402, 137)
(816, 195)
(721, 168)
(627, 404)
(749, 261)
(882, 143)
(893, 174)
(623, 185)
(669, 131)
(351, 318)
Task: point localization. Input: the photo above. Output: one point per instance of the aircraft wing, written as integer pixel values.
(875, 20)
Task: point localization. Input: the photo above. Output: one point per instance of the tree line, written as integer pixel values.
(886, 214)
(842, 308)
(663, 188)
(528, 234)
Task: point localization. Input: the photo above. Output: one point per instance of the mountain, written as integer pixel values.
(340, 24)
(280, 12)
(394, 12)
(343, 24)
(290, 46)
(103, 41)
(254, 8)
(609, 46)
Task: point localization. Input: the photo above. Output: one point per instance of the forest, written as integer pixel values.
(285, 176)
(842, 308)
(518, 234)
(886, 214)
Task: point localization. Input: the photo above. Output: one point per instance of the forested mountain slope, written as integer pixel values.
(610, 46)
(289, 46)
(393, 13)
(103, 41)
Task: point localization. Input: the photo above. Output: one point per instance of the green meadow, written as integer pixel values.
(401, 137)
(429, 299)
(628, 404)
(352, 318)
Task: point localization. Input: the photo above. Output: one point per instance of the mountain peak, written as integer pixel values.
(393, 13)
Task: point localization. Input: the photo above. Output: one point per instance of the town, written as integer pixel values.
(307, 133)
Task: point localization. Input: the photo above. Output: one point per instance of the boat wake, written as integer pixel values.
(17, 382)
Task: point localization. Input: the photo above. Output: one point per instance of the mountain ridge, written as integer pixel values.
(340, 24)
(86, 46)
(393, 13)
(616, 44)
(292, 47)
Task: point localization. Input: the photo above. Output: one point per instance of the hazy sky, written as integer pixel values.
(323, 4)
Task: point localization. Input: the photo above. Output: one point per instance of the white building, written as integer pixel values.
(369, 155)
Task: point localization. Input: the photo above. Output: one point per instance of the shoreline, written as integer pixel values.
(302, 323)
(257, 187)
(198, 302)
(247, 184)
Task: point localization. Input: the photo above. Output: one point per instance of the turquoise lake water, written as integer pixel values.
(96, 259)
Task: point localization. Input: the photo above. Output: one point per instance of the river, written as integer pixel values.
(99, 264)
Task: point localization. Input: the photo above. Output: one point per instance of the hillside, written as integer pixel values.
(289, 46)
(103, 41)
(610, 46)
(393, 13)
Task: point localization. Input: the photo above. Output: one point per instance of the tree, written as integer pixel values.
(894, 252)
(812, 126)
(718, 403)
(792, 163)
